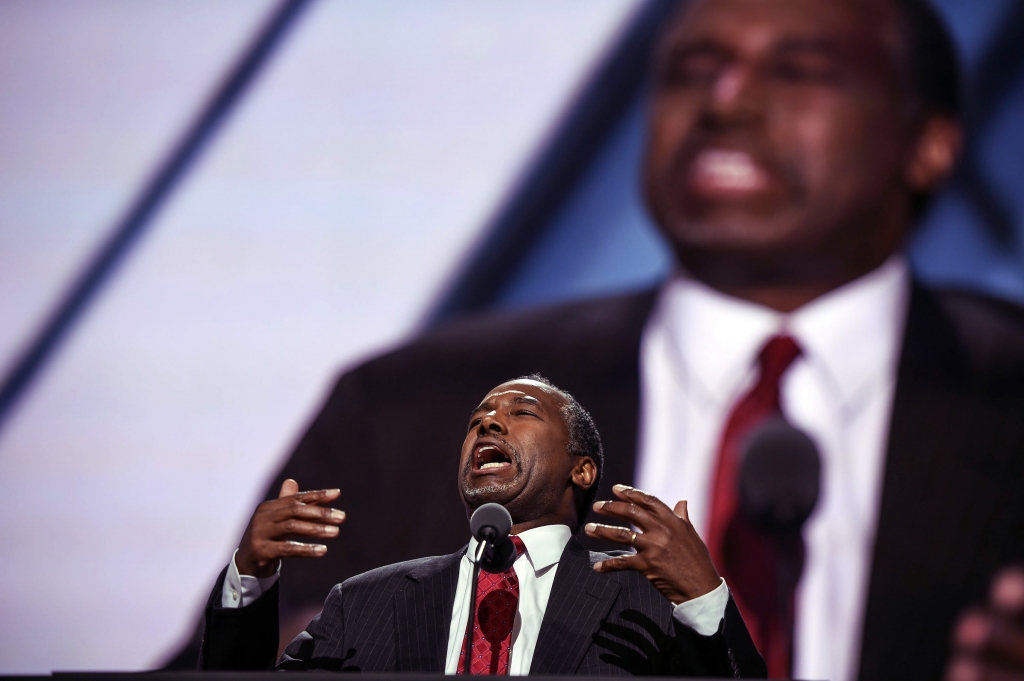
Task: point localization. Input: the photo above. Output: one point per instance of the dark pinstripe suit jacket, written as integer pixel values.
(397, 618)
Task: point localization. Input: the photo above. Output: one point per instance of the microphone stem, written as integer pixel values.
(480, 547)
(789, 565)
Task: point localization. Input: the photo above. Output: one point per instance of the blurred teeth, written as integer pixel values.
(729, 169)
(493, 464)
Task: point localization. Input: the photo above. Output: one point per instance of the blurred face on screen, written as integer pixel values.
(515, 454)
(781, 148)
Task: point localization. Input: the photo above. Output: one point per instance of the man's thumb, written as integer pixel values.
(288, 488)
(680, 510)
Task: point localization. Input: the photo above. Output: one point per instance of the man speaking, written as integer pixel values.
(558, 610)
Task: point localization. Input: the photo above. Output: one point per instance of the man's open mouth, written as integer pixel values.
(727, 171)
(490, 456)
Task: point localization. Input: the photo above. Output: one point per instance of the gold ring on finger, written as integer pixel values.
(633, 538)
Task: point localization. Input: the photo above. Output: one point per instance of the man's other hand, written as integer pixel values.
(668, 550)
(988, 643)
(293, 513)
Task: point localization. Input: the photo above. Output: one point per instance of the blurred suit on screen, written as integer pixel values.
(782, 171)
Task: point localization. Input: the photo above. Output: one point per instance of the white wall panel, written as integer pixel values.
(91, 95)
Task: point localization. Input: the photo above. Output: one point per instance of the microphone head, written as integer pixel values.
(498, 557)
(779, 477)
(491, 522)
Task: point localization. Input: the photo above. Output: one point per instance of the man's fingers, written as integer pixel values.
(641, 498)
(990, 637)
(318, 496)
(617, 563)
(305, 529)
(1007, 595)
(619, 535)
(680, 510)
(972, 631)
(293, 549)
(288, 488)
(633, 514)
(297, 509)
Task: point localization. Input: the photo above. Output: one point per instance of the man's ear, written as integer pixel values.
(935, 154)
(584, 472)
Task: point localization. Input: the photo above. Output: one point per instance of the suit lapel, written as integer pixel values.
(940, 500)
(580, 601)
(423, 615)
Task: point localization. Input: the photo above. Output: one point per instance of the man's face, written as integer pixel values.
(779, 134)
(515, 452)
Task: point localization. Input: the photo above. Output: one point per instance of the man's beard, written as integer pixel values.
(479, 495)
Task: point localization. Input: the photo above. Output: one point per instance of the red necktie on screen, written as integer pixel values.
(744, 556)
(497, 599)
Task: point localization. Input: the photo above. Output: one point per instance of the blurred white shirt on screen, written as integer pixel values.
(699, 356)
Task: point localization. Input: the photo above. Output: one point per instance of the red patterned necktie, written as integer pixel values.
(744, 556)
(497, 599)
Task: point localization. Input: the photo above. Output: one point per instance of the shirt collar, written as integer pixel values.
(544, 545)
(850, 336)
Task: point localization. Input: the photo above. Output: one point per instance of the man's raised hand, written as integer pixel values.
(293, 513)
(988, 642)
(668, 550)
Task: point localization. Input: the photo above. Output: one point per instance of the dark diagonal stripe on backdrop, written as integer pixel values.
(144, 208)
(580, 136)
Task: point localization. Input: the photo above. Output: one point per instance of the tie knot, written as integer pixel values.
(518, 543)
(776, 356)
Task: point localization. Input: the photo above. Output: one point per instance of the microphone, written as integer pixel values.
(780, 477)
(495, 552)
(491, 524)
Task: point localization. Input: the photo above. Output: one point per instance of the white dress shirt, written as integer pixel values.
(241, 590)
(535, 570)
(699, 356)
